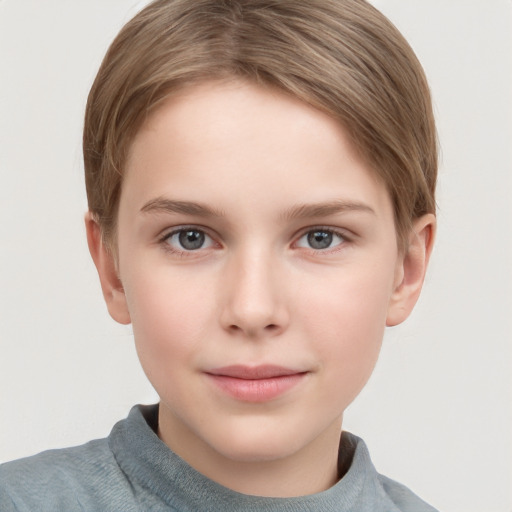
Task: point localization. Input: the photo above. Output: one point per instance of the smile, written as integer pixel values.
(255, 384)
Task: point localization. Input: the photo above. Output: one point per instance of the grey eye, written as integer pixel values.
(320, 239)
(189, 239)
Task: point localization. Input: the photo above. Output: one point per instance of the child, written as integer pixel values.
(260, 177)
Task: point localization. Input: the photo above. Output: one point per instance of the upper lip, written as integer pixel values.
(265, 371)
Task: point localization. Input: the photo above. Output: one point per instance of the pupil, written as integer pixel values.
(191, 240)
(319, 239)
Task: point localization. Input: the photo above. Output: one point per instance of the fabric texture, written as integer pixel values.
(133, 470)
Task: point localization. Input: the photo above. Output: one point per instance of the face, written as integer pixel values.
(258, 261)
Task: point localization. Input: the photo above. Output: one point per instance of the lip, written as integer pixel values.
(255, 383)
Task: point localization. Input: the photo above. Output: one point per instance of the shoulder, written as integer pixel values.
(402, 497)
(376, 492)
(79, 478)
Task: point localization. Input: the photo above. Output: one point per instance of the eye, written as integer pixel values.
(188, 239)
(320, 239)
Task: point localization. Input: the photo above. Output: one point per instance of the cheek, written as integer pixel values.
(347, 325)
(351, 301)
(169, 319)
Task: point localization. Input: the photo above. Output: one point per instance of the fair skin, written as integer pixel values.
(257, 260)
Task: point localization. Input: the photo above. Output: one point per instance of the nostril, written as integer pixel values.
(269, 329)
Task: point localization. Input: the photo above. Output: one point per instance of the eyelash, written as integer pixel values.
(164, 240)
(344, 238)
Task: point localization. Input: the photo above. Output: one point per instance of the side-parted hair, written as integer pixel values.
(341, 56)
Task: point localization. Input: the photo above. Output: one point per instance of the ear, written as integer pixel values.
(411, 269)
(106, 266)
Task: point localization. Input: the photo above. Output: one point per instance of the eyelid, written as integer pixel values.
(344, 234)
(171, 230)
(167, 233)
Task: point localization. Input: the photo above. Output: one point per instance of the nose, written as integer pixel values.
(254, 302)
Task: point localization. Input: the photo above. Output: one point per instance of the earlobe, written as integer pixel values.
(411, 270)
(106, 266)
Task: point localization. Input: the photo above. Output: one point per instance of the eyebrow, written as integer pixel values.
(298, 212)
(325, 209)
(161, 204)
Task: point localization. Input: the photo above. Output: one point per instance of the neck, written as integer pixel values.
(309, 470)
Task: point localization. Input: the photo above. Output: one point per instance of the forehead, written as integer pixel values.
(218, 140)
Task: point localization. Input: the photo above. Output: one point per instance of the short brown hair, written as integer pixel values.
(341, 56)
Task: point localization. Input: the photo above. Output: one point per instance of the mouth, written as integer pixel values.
(255, 383)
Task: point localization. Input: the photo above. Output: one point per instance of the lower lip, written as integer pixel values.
(257, 390)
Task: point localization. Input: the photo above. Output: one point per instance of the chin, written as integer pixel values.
(258, 445)
(254, 453)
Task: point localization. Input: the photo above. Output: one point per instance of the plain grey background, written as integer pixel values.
(437, 414)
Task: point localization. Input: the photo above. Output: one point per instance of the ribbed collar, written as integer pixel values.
(147, 461)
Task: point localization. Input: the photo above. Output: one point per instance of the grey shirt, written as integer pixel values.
(133, 470)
